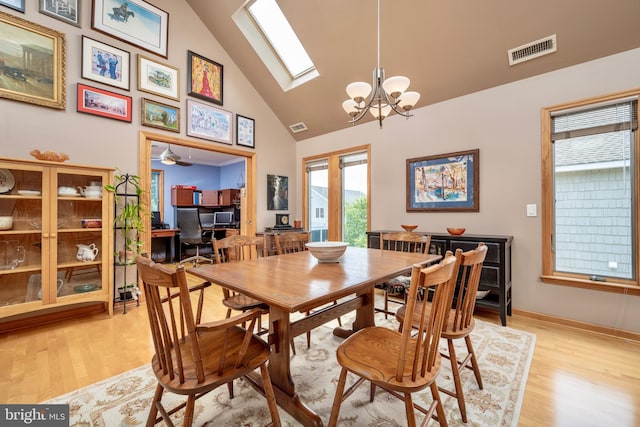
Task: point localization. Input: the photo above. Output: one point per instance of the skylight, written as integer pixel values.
(276, 29)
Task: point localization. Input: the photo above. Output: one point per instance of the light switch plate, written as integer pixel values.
(532, 210)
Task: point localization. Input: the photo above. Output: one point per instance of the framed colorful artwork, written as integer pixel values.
(100, 102)
(134, 21)
(205, 78)
(208, 122)
(29, 81)
(446, 182)
(162, 116)
(158, 79)
(13, 4)
(105, 64)
(65, 10)
(245, 131)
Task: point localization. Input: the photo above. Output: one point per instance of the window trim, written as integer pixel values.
(549, 275)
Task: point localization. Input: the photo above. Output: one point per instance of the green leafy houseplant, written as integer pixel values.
(129, 215)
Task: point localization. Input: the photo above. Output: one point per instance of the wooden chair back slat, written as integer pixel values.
(467, 286)
(423, 349)
(291, 242)
(405, 241)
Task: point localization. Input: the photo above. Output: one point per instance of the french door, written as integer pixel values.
(336, 201)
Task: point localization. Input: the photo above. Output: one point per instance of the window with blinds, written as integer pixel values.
(590, 183)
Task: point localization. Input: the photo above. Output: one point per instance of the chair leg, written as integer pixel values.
(153, 412)
(386, 303)
(455, 370)
(410, 410)
(188, 411)
(337, 400)
(372, 392)
(230, 388)
(442, 419)
(474, 361)
(268, 393)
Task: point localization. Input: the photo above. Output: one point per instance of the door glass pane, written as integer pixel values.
(318, 201)
(354, 199)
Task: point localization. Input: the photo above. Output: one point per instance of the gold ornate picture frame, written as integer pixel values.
(36, 72)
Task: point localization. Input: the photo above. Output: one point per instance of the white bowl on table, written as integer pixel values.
(327, 251)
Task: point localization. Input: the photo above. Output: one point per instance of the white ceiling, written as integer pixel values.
(448, 48)
(194, 155)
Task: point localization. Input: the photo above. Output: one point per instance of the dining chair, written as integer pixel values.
(399, 362)
(292, 242)
(192, 235)
(194, 358)
(239, 248)
(460, 322)
(403, 241)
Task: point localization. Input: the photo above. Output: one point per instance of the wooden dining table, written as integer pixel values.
(297, 282)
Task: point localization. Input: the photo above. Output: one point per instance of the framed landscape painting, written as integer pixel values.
(205, 78)
(100, 102)
(162, 116)
(446, 182)
(208, 122)
(133, 21)
(158, 79)
(65, 10)
(40, 81)
(105, 64)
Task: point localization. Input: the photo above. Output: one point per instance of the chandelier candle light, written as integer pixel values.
(387, 95)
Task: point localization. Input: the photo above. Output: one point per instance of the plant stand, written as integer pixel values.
(122, 259)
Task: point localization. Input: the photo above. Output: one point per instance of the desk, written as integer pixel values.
(169, 237)
(297, 282)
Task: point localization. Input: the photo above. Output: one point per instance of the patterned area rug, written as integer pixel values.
(504, 355)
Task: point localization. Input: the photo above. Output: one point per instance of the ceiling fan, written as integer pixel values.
(168, 157)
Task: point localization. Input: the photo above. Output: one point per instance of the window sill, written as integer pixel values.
(619, 288)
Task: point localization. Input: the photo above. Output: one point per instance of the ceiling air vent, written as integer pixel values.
(298, 127)
(532, 50)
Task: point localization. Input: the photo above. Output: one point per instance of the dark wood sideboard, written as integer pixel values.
(496, 270)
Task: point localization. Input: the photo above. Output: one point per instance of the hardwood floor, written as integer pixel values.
(577, 378)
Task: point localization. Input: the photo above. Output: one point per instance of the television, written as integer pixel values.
(222, 218)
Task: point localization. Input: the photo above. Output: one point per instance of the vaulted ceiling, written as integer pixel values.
(447, 48)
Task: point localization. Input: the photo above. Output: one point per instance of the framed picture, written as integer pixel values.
(158, 79)
(446, 182)
(105, 64)
(161, 116)
(277, 193)
(65, 10)
(205, 78)
(100, 102)
(245, 131)
(208, 122)
(133, 21)
(13, 4)
(42, 80)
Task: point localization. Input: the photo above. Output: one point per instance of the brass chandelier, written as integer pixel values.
(387, 94)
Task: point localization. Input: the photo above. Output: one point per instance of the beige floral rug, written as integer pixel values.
(504, 356)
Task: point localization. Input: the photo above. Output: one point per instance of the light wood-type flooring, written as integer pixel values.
(577, 378)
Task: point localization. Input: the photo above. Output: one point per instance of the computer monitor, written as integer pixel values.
(222, 218)
(207, 219)
(156, 221)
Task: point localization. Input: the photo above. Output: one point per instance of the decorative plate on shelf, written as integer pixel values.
(28, 192)
(85, 288)
(7, 181)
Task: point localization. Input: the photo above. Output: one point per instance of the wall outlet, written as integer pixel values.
(532, 210)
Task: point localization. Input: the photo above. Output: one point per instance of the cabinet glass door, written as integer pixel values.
(78, 225)
(21, 230)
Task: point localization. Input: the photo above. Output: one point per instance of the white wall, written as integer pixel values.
(504, 123)
(94, 140)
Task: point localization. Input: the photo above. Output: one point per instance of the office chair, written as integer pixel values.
(191, 235)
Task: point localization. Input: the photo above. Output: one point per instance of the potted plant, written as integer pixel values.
(129, 215)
